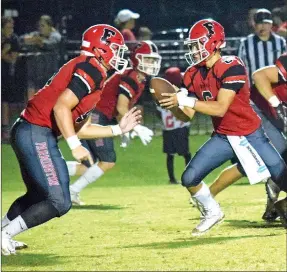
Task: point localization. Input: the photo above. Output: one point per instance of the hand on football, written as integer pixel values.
(144, 133)
(80, 153)
(170, 101)
(130, 120)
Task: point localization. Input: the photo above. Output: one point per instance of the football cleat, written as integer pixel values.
(19, 245)
(208, 221)
(75, 198)
(7, 247)
(272, 190)
(270, 214)
(281, 208)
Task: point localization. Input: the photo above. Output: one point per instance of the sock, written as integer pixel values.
(72, 167)
(16, 226)
(187, 158)
(90, 176)
(204, 197)
(169, 164)
(5, 221)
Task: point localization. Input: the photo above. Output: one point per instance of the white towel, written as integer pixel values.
(250, 160)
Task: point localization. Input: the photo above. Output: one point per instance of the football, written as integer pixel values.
(160, 85)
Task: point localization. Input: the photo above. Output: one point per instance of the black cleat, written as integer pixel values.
(281, 208)
(270, 215)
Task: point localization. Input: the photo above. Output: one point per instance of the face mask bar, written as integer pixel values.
(197, 52)
(146, 67)
(117, 61)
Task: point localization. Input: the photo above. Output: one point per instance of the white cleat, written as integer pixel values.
(19, 245)
(8, 247)
(75, 198)
(209, 220)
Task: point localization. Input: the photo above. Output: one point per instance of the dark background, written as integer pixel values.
(156, 14)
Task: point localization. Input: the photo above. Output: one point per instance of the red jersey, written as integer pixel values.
(229, 73)
(127, 84)
(279, 89)
(82, 75)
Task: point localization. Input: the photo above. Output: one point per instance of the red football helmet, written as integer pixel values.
(109, 44)
(205, 36)
(145, 58)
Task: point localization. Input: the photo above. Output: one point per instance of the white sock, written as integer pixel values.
(72, 167)
(204, 197)
(16, 226)
(5, 221)
(91, 175)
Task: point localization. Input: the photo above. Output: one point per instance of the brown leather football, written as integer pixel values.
(160, 85)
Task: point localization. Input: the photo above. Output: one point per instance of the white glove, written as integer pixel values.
(125, 140)
(144, 133)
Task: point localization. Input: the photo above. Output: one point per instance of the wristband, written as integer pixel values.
(185, 101)
(73, 142)
(274, 101)
(116, 130)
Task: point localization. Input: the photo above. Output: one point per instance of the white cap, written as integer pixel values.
(125, 15)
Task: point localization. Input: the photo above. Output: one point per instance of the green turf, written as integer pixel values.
(134, 220)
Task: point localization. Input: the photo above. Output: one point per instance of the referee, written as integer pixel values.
(263, 47)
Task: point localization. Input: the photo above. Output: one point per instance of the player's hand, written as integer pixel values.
(125, 140)
(281, 111)
(170, 101)
(144, 133)
(130, 120)
(80, 153)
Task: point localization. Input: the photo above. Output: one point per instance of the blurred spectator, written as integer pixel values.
(46, 40)
(175, 132)
(9, 54)
(263, 47)
(250, 20)
(125, 22)
(279, 16)
(144, 34)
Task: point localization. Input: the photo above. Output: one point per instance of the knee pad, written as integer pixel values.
(189, 178)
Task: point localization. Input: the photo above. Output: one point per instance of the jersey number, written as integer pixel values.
(207, 95)
(108, 33)
(169, 122)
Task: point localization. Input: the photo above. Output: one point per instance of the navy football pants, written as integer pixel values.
(217, 150)
(44, 173)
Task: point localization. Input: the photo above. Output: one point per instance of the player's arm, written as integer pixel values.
(122, 105)
(263, 80)
(129, 120)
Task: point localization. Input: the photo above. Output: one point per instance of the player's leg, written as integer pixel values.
(227, 177)
(48, 179)
(211, 155)
(182, 144)
(169, 150)
(103, 149)
(271, 158)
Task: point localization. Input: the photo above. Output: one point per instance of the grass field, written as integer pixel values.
(135, 221)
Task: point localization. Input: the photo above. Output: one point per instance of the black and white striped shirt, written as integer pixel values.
(256, 53)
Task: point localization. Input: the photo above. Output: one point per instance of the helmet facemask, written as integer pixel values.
(149, 63)
(117, 61)
(197, 51)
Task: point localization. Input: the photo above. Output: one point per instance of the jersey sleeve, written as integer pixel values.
(188, 78)
(234, 75)
(86, 79)
(281, 64)
(128, 87)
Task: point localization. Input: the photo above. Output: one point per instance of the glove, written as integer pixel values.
(125, 140)
(144, 133)
(281, 111)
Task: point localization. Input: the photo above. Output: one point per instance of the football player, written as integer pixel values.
(220, 88)
(272, 102)
(120, 93)
(48, 115)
